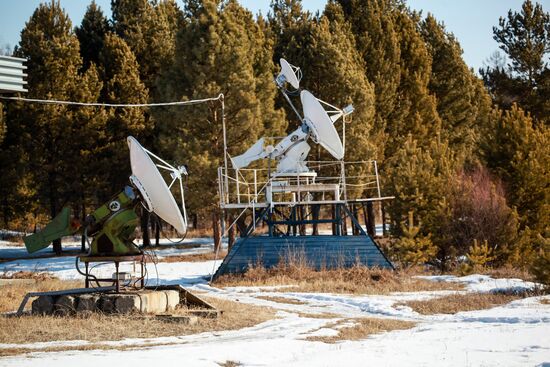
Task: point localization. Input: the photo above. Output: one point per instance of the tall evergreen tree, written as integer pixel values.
(56, 139)
(149, 29)
(518, 152)
(416, 106)
(420, 182)
(216, 52)
(377, 42)
(525, 80)
(120, 72)
(454, 85)
(91, 34)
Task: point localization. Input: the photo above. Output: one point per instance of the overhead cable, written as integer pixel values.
(122, 105)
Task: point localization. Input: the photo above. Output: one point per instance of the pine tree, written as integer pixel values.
(413, 248)
(120, 72)
(541, 265)
(216, 52)
(525, 80)
(91, 34)
(518, 152)
(454, 85)
(419, 180)
(479, 256)
(416, 106)
(56, 139)
(149, 29)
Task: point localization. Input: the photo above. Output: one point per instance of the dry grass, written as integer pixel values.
(325, 315)
(355, 280)
(454, 303)
(230, 364)
(545, 301)
(27, 275)
(6, 352)
(98, 327)
(291, 301)
(509, 272)
(11, 295)
(362, 328)
(206, 256)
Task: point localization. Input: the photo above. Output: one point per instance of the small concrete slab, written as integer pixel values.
(179, 319)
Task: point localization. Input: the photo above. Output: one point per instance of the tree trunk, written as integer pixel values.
(216, 230)
(371, 227)
(145, 227)
(230, 234)
(355, 213)
(157, 230)
(53, 212)
(315, 211)
(83, 216)
(301, 213)
(241, 226)
(195, 221)
(333, 214)
(384, 231)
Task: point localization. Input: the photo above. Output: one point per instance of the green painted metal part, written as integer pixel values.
(115, 228)
(60, 226)
(112, 227)
(115, 236)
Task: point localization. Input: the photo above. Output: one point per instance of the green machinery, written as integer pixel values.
(112, 227)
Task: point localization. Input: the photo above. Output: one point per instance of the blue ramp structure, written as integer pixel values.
(318, 252)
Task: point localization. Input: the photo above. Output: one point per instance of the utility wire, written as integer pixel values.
(94, 104)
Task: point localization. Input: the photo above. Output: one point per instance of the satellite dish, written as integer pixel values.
(321, 125)
(154, 191)
(290, 74)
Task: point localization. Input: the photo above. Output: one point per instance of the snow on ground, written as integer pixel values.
(484, 283)
(516, 334)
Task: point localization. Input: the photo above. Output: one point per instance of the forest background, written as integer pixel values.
(466, 155)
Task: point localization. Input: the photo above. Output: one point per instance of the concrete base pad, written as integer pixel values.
(148, 301)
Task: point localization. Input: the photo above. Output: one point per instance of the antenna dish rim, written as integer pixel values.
(152, 186)
(321, 125)
(289, 73)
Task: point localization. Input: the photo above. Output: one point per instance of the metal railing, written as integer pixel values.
(327, 182)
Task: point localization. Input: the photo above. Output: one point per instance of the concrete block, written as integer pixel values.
(65, 305)
(43, 305)
(107, 303)
(154, 302)
(128, 303)
(179, 319)
(87, 303)
(173, 299)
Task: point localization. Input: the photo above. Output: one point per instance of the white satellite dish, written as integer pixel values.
(290, 74)
(154, 190)
(321, 125)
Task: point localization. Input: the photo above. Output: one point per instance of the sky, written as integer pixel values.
(471, 21)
